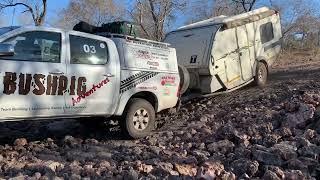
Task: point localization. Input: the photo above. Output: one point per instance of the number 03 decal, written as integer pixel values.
(89, 49)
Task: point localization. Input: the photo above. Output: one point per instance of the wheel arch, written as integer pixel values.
(146, 95)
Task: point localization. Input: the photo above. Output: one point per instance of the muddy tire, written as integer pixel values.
(139, 119)
(261, 75)
(184, 79)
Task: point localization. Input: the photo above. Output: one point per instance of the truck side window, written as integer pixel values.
(88, 51)
(266, 32)
(36, 46)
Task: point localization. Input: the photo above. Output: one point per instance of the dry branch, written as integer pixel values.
(37, 17)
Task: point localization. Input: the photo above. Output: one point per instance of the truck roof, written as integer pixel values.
(107, 35)
(233, 21)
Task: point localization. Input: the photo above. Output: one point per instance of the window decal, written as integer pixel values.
(193, 59)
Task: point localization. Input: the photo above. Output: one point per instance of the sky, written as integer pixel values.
(13, 16)
(54, 7)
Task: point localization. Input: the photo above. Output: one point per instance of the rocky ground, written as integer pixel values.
(271, 133)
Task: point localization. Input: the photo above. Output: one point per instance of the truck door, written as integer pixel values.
(244, 53)
(31, 77)
(93, 68)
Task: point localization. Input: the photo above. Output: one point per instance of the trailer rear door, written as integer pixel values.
(244, 53)
(192, 45)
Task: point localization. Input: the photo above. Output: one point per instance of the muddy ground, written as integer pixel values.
(252, 133)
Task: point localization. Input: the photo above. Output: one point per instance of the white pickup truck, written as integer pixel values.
(52, 73)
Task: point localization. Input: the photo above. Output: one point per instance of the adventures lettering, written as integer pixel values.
(40, 84)
(94, 88)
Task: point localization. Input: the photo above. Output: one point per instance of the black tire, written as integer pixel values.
(134, 124)
(184, 79)
(261, 75)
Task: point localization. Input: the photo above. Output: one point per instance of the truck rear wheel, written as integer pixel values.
(261, 75)
(139, 118)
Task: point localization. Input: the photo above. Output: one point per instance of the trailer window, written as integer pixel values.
(88, 51)
(266, 32)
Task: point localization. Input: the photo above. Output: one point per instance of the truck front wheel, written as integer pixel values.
(139, 118)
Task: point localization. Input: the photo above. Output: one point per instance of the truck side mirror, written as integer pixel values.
(6, 49)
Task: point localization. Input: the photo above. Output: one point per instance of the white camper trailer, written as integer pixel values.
(224, 53)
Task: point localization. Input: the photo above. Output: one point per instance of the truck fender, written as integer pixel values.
(146, 95)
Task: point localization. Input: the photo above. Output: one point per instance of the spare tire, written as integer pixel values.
(184, 79)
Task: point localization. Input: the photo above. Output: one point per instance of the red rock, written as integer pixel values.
(300, 117)
(185, 169)
(214, 166)
(309, 134)
(145, 168)
(206, 174)
(269, 175)
(224, 146)
(294, 175)
(20, 142)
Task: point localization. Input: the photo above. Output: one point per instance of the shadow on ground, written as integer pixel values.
(96, 128)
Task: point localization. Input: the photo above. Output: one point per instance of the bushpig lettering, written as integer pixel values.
(40, 84)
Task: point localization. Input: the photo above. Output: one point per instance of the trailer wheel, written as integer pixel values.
(261, 75)
(139, 118)
(184, 79)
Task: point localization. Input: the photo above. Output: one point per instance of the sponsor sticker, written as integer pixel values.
(168, 81)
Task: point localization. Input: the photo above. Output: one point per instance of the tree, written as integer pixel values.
(37, 8)
(201, 9)
(247, 5)
(154, 15)
(204, 9)
(300, 22)
(293, 13)
(94, 12)
(229, 8)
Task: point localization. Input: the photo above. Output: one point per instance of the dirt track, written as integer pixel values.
(270, 133)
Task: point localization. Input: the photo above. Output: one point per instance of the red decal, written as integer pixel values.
(168, 81)
(94, 88)
(143, 54)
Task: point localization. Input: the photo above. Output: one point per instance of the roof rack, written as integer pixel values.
(127, 37)
(117, 29)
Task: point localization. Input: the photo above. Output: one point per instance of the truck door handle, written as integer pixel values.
(56, 73)
(108, 75)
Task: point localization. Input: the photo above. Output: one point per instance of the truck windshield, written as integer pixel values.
(7, 29)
